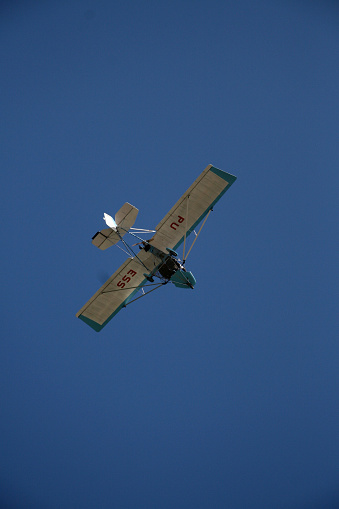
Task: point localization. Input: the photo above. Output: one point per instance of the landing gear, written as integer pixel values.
(171, 252)
(149, 278)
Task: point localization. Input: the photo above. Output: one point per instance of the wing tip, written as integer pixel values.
(94, 325)
(224, 175)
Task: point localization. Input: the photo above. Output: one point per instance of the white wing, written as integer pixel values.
(117, 291)
(192, 207)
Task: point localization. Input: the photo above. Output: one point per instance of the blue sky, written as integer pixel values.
(226, 396)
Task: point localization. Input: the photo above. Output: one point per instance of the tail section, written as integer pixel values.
(110, 221)
(118, 227)
(126, 216)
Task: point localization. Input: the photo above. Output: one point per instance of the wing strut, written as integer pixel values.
(186, 223)
(130, 249)
(132, 288)
(145, 293)
(197, 235)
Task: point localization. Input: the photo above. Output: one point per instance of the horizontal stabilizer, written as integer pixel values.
(126, 216)
(105, 238)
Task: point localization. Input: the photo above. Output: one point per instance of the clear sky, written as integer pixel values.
(221, 397)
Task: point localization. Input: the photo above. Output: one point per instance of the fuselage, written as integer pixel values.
(170, 269)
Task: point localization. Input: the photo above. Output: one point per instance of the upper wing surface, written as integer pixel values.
(192, 207)
(117, 290)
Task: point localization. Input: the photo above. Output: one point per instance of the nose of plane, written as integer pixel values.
(183, 279)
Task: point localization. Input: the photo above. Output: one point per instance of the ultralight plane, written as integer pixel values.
(157, 262)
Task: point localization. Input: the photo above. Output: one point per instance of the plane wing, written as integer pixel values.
(192, 207)
(118, 290)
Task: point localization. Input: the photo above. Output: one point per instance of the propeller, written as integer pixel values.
(143, 242)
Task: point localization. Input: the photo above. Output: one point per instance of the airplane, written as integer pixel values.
(157, 263)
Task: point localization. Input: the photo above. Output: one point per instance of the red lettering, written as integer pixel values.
(126, 278)
(174, 226)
